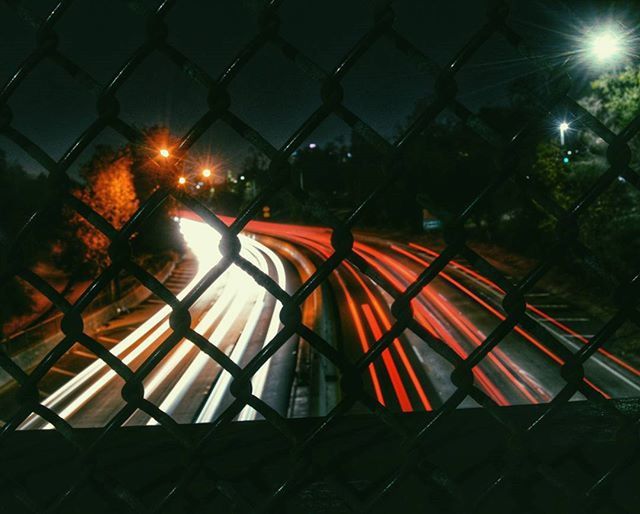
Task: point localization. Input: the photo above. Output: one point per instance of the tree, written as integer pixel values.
(22, 194)
(618, 95)
(610, 226)
(111, 193)
(615, 99)
(613, 223)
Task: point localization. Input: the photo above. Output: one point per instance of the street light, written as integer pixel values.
(206, 173)
(564, 126)
(182, 181)
(164, 152)
(606, 45)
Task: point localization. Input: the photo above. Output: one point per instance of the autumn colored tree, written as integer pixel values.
(110, 191)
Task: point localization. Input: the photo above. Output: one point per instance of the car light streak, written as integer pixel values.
(496, 356)
(396, 342)
(260, 377)
(221, 386)
(203, 241)
(237, 315)
(387, 358)
(398, 386)
(235, 301)
(502, 317)
(492, 285)
(483, 379)
(362, 338)
(355, 315)
(430, 322)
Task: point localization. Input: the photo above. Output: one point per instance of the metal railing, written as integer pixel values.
(279, 461)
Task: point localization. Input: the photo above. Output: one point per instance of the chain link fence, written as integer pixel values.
(557, 457)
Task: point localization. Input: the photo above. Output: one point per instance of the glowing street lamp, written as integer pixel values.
(206, 173)
(164, 153)
(564, 126)
(606, 46)
(182, 181)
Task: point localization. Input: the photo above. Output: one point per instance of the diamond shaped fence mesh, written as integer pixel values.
(557, 456)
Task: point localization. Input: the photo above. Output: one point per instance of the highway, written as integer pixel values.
(459, 309)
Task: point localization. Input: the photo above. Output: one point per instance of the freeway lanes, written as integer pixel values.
(234, 313)
(459, 309)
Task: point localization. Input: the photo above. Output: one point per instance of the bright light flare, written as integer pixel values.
(606, 46)
(564, 126)
(182, 181)
(206, 173)
(203, 240)
(164, 153)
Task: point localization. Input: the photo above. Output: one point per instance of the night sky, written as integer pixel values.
(272, 94)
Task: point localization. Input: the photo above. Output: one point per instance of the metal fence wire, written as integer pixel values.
(544, 458)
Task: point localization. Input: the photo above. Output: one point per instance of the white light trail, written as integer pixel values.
(203, 241)
(235, 303)
(221, 387)
(259, 379)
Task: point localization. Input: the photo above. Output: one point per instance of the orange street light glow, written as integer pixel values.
(206, 172)
(182, 180)
(164, 153)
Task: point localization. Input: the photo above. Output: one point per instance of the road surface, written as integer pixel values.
(238, 317)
